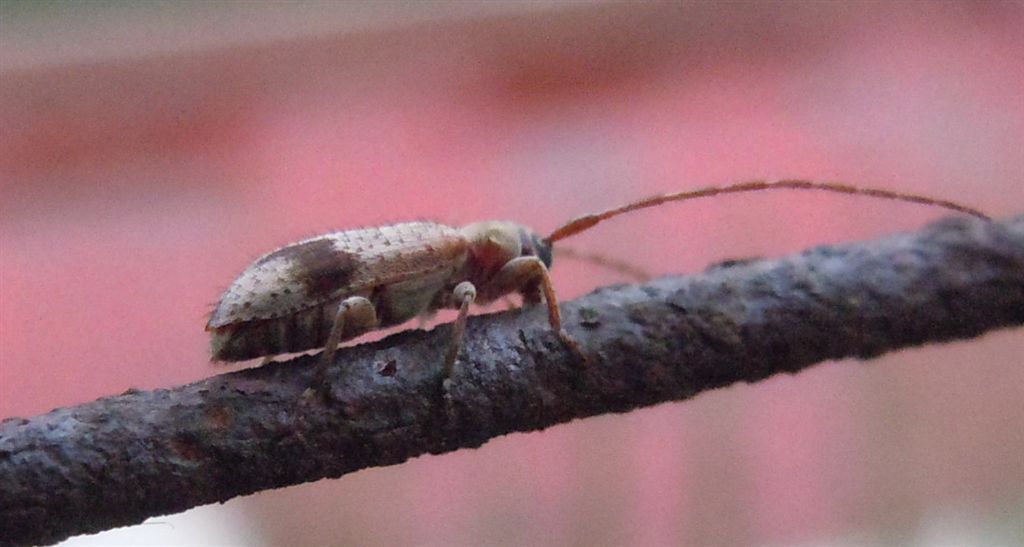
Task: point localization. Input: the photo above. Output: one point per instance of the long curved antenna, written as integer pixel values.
(613, 264)
(586, 222)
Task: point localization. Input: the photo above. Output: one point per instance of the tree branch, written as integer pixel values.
(119, 460)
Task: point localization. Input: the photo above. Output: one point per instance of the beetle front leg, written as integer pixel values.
(355, 313)
(517, 275)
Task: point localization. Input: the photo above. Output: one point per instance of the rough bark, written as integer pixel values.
(121, 459)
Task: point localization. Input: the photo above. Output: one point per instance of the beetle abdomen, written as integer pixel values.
(309, 328)
(287, 301)
(301, 331)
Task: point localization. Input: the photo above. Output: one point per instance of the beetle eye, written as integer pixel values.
(532, 245)
(541, 249)
(535, 246)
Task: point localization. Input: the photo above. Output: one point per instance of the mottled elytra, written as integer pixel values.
(327, 289)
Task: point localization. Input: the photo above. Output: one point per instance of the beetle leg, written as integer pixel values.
(355, 313)
(464, 294)
(517, 275)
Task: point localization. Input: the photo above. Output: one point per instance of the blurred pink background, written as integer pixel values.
(148, 153)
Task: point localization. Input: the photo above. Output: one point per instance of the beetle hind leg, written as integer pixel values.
(355, 314)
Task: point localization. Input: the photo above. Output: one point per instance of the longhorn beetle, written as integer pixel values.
(321, 291)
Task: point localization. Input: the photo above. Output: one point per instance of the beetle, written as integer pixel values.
(334, 287)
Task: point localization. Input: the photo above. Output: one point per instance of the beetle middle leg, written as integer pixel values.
(355, 313)
(464, 294)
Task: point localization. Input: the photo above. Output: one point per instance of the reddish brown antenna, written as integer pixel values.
(620, 267)
(586, 222)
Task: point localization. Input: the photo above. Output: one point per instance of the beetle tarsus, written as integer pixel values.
(573, 346)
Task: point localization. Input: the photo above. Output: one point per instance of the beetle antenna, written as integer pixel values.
(586, 222)
(620, 267)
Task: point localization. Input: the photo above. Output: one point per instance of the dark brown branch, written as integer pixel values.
(119, 460)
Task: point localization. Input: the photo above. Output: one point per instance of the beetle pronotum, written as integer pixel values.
(321, 291)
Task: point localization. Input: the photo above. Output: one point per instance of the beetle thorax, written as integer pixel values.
(492, 244)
